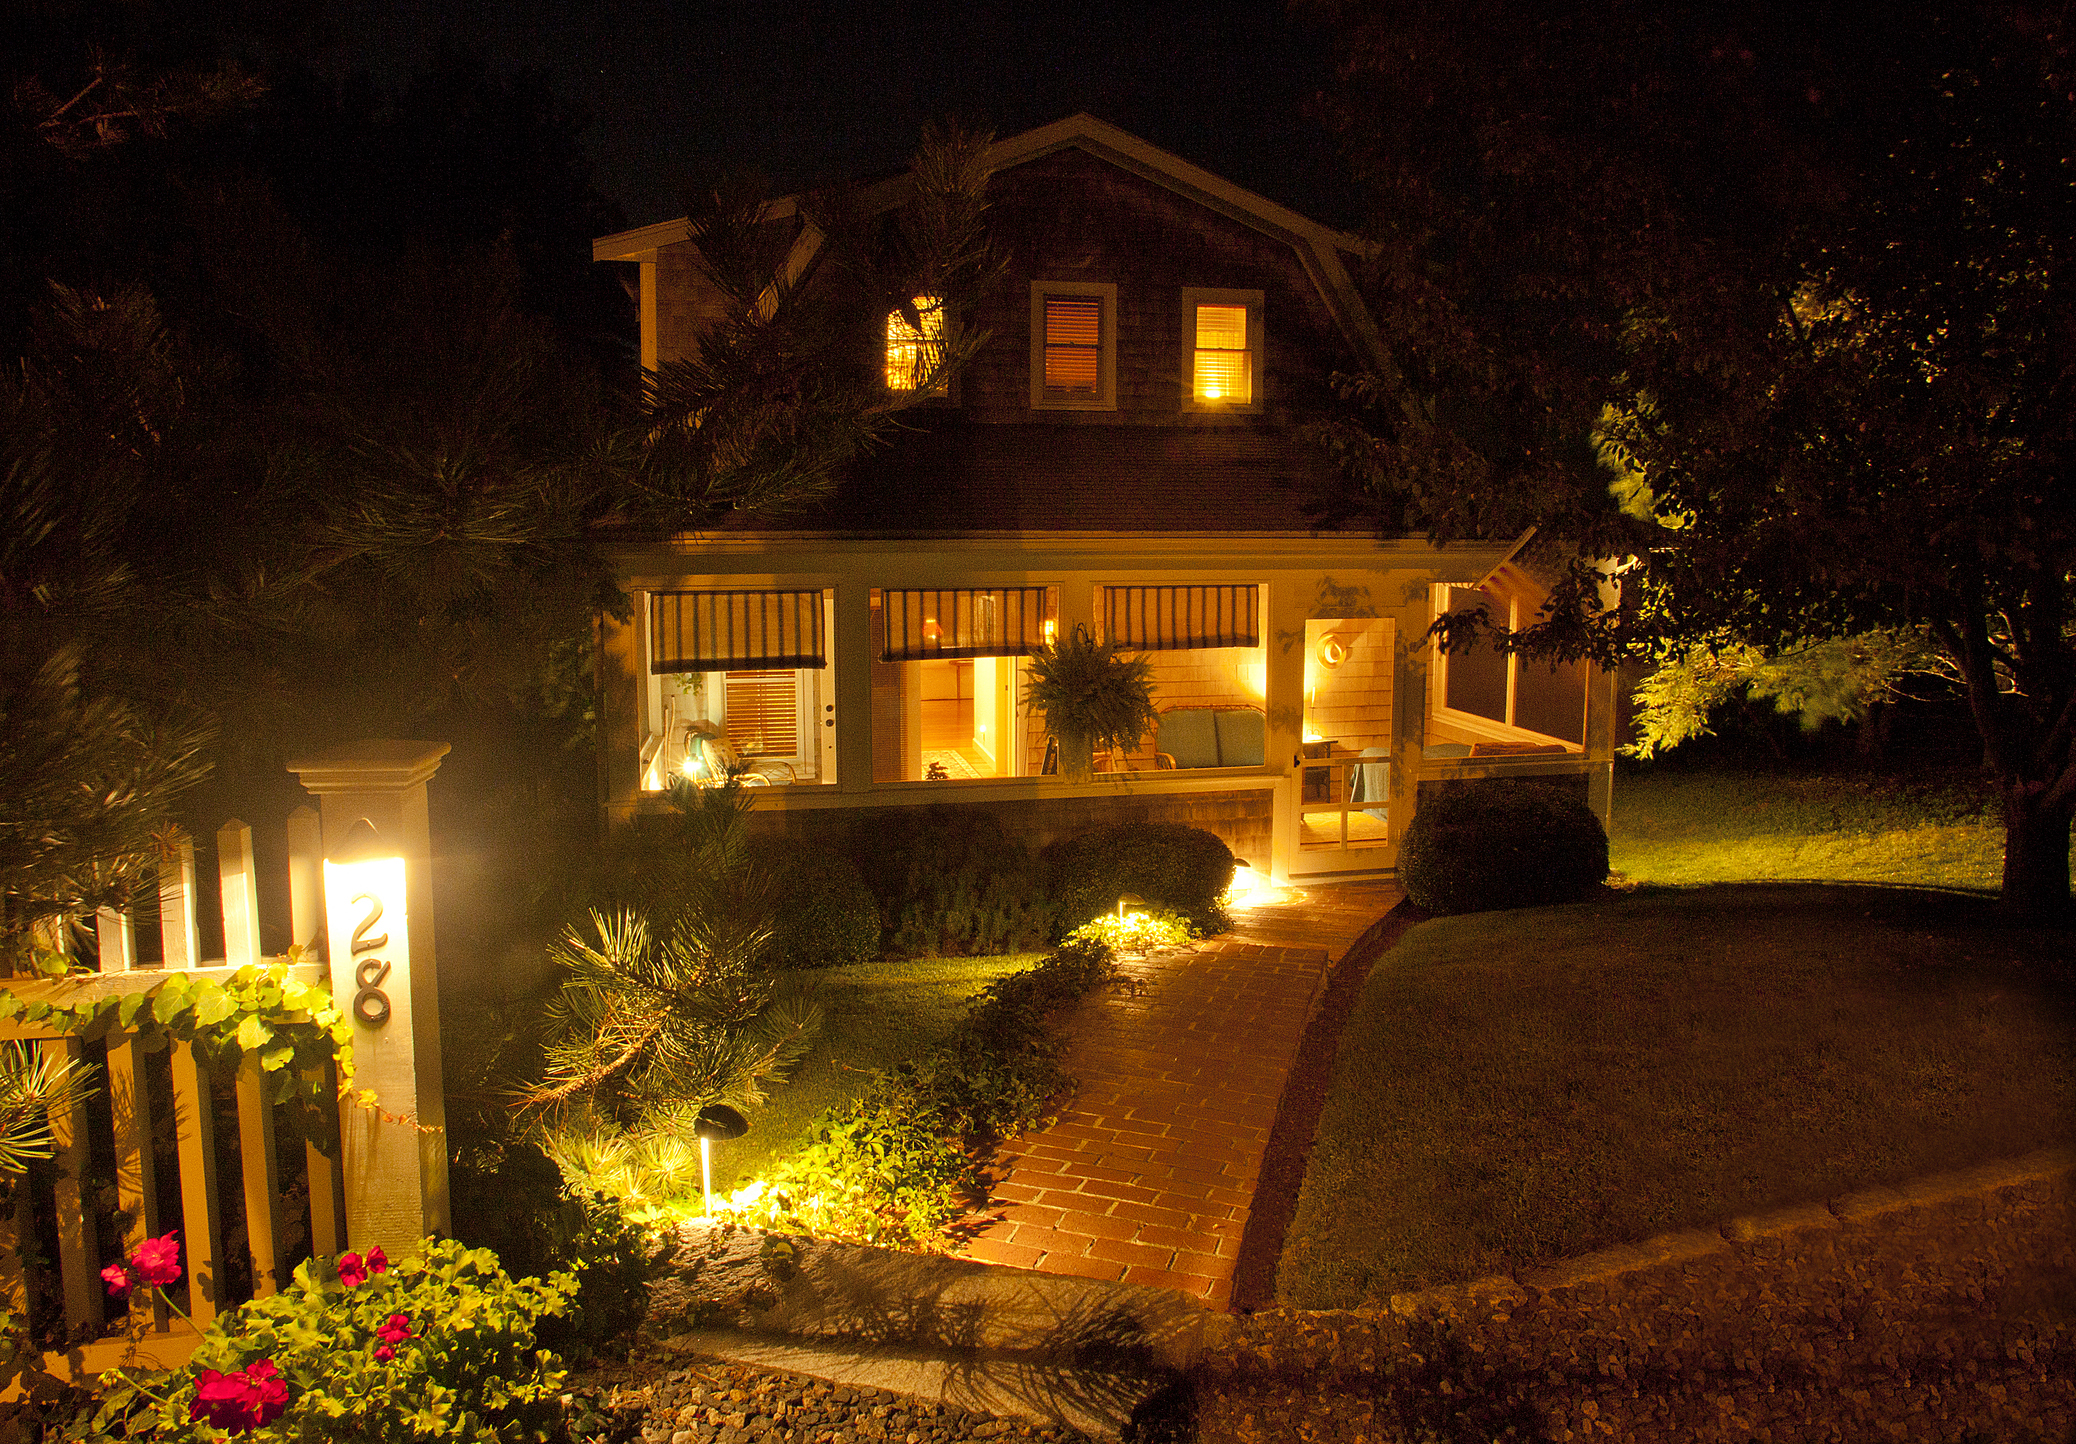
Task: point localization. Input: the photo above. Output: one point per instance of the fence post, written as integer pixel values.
(379, 924)
(306, 929)
(201, 1225)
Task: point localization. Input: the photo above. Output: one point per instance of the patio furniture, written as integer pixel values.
(1211, 737)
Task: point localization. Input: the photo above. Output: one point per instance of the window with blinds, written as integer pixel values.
(734, 631)
(1224, 369)
(917, 625)
(913, 350)
(761, 713)
(1221, 349)
(1073, 344)
(1157, 619)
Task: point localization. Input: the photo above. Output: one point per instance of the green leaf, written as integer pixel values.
(213, 1003)
(253, 1033)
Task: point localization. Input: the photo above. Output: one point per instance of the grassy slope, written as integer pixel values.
(1529, 1085)
(1938, 829)
(874, 1015)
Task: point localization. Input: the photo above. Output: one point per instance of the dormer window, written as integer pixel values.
(914, 348)
(1074, 346)
(1222, 356)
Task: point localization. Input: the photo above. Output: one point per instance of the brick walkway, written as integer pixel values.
(1149, 1173)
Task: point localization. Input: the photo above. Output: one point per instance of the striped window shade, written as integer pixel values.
(734, 631)
(763, 713)
(964, 622)
(1073, 343)
(1224, 368)
(1163, 619)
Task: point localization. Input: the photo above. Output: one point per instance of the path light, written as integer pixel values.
(716, 1120)
(1132, 898)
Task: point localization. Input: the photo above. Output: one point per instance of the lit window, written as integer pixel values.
(912, 352)
(1223, 369)
(1222, 349)
(1074, 346)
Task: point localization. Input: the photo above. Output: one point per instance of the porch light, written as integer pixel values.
(716, 1120)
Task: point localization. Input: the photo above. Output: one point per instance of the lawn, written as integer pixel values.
(874, 1015)
(1523, 1086)
(1936, 828)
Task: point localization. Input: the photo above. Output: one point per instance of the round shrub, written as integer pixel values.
(1482, 846)
(824, 913)
(1183, 869)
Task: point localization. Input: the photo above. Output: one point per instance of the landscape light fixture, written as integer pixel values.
(716, 1120)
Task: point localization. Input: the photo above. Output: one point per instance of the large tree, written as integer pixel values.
(1765, 303)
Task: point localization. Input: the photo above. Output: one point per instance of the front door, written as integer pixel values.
(1343, 796)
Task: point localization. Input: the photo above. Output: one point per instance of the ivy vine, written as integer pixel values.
(291, 1028)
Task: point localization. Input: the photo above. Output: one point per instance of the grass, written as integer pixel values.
(1937, 828)
(874, 1015)
(1522, 1086)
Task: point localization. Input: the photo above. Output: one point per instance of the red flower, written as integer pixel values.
(118, 1280)
(396, 1330)
(378, 1261)
(383, 1353)
(157, 1260)
(353, 1272)
(251, 1398)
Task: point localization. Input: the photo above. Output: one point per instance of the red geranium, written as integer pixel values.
(157, 1260)
(251, 1398)
(378, 1261)
(353, 1271)
(118, 1280)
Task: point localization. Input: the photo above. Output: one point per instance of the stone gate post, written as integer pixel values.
(379, 930)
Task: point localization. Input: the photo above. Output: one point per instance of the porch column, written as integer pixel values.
(379, 926)
(1285, 605)
(853, 645)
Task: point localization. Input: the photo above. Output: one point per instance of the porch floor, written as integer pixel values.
(1149, 1173)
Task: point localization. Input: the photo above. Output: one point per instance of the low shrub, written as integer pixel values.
(438, 1347)
(897, 1163)
(1136, 931)
(1183, 869)
(824, 915)
(951, 883)
(1483, 846)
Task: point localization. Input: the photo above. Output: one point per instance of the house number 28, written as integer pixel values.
(370, 1004)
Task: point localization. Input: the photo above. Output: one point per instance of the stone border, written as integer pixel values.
(1227, 1344)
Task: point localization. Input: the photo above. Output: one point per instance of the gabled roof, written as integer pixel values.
(1320, 249)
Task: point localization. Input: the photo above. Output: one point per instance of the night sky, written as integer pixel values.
(809, 92)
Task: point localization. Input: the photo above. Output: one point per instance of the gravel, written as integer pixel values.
(676, 1398)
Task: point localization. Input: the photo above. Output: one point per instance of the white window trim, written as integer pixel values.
(1194, 296)
(1497, 731)
(1105, 398)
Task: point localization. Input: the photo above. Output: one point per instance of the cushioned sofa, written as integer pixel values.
(1211, 737)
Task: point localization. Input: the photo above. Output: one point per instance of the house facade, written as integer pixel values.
(1122, 457)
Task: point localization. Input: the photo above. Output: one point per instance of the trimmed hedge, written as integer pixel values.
(1484, 846)
(824, 914)
(1183, 869)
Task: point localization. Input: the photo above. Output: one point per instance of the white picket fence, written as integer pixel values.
(135, 1108)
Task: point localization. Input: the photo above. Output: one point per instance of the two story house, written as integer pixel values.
(1122, 456)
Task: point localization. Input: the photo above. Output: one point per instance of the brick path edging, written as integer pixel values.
(1922, 1312)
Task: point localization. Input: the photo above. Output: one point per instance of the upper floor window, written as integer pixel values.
(914, 348)
(1074, 345)
(1222, 355)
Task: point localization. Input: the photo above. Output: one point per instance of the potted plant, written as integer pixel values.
(1091, 695)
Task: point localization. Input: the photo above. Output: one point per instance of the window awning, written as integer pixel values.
(963, 622)
(1164, 619)
(734, 631)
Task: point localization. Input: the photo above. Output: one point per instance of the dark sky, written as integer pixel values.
(813, 91)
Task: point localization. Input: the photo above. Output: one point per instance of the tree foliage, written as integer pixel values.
(1797, 288)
